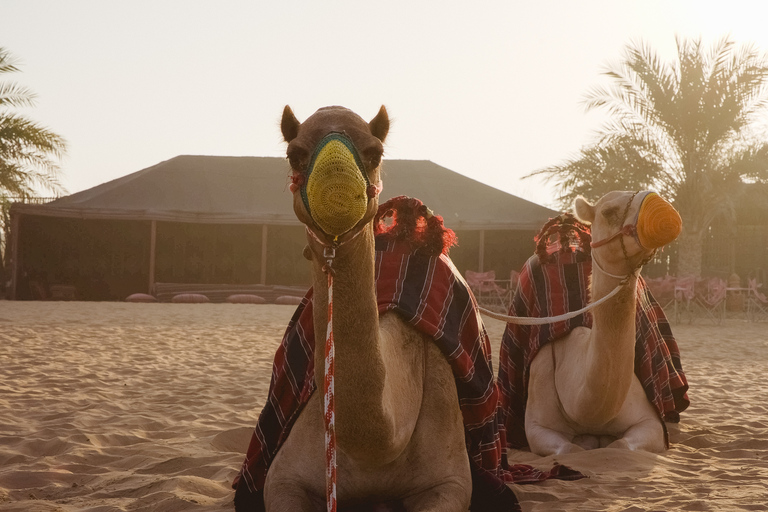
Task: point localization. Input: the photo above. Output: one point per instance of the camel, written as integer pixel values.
(583, 392)
(399, 428)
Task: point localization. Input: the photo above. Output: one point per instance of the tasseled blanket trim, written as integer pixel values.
(407, 219)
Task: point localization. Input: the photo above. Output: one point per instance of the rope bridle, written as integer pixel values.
(626, 230)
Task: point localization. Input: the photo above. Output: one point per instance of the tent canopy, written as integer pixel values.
(254, 190)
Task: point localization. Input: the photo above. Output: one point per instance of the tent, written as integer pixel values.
(214, 219)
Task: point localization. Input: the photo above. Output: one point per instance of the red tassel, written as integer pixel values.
(408, 219)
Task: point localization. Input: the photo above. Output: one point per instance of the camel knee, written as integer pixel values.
(647, 435)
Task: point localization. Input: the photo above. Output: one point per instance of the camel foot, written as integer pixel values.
(647, 435)
(621, 444)
(568, 448)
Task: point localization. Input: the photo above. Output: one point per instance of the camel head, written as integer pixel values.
(629, 226)
(335, 158)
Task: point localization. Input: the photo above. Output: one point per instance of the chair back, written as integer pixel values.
(662, 288)
(753, 290)
(481, 281)
(684, 288)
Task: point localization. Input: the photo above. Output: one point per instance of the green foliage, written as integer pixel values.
(682, 128)
(686, 129)
(29, 153)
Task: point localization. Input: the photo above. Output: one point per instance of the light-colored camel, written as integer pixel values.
(586, 394)
(399, 429)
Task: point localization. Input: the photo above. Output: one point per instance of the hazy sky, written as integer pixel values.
(491, 90)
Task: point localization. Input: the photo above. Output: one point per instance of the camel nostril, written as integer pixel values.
(658, 222)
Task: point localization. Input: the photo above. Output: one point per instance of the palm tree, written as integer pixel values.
(685, 129)
(29, 153)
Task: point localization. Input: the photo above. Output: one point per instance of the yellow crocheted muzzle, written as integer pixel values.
(335, 192)
(658, 223)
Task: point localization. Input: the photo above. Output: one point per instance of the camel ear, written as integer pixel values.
(379, 125)
(289, 125)
(584, 211)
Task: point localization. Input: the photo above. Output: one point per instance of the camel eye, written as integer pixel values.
(372, 159)
(611, 215)
(372, 156)
(297, 157)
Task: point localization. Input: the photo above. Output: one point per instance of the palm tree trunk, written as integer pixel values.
(689, 253)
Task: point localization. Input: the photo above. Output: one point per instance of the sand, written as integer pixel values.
(149, 407)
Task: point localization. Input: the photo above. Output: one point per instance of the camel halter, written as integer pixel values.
(336, 192)
(627, 230)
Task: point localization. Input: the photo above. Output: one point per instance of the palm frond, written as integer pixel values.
(13, 95)
(7, 63)
(679, 128)
(29, 153)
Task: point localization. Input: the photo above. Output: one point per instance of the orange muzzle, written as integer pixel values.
(658, 223)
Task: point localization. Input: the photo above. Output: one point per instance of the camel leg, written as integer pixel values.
(446, 497)
(296, 478)
(544, 441)
(648, 435)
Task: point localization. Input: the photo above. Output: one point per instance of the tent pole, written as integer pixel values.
(481, 255)
(263, 279)
(14, 247)
(152, 247)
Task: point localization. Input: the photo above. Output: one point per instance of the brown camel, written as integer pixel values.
(399, 429)
(583, 392)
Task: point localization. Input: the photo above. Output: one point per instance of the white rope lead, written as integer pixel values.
(536, 320)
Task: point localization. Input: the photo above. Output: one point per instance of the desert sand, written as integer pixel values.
(149, 407)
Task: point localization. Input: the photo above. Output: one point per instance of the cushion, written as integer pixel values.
(140, 297)
(246, 298)
(289, 300)
(190, 298)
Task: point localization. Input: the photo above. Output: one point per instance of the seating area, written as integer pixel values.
(690, 299)
(491, 293)
(684, 299)
(757, 302)
(709, 297)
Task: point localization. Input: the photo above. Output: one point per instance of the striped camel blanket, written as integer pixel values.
(423, 286)
(560, 285)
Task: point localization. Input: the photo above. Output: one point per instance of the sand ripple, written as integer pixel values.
(718, 460)
(110, 407)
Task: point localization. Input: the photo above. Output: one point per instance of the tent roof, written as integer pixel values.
(221, 189)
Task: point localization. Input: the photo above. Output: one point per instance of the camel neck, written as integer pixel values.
(360, 378)
(609, 364)
(354, 289)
